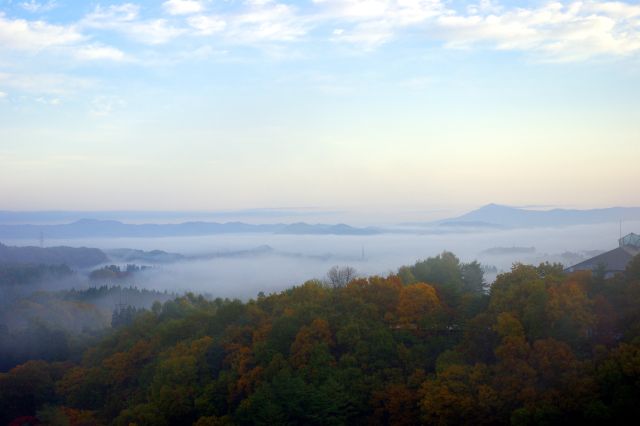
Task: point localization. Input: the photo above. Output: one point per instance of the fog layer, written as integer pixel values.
(224, 269)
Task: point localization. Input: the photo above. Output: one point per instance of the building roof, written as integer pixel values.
(615, 260)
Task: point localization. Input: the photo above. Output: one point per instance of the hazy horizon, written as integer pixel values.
(357, 217)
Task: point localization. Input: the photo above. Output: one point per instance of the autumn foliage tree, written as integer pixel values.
(426, 345)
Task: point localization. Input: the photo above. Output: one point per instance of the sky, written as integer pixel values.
(361, 105)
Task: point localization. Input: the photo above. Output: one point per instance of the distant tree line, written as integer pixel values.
(115, 273)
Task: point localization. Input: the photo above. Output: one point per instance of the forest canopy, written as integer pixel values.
(429, 344)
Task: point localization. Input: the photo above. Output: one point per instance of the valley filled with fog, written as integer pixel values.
(241, 265)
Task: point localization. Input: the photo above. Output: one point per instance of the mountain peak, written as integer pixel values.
(515, 217)
(495, 206)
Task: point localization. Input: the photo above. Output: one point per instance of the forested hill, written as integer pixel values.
(75, 257)
(426, 345)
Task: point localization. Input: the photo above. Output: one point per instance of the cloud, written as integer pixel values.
(182, 7)
(39, 36)
(3, 95)
(554, 31)
(615, 9)
(368, 35)
(568, 31)
(256, 22)
(267, 21)
(396, 13)
(104, 17)
(355, 9)
(38, 7)
(125, 19)
(93, 52)
(20, 34)
(484, 6)
(156, 31)
(206, 25)
(575, 31)
(371, 23)
(48, 101)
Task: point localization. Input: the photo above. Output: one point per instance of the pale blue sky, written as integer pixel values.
(335, 104)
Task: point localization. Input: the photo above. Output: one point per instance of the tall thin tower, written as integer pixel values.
(620, 239)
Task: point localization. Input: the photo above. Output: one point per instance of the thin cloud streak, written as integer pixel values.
(182, 7)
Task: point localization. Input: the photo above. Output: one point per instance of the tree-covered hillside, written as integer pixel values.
(429, 344)
(76, 257)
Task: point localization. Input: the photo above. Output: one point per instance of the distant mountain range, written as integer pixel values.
(499, 216)
(113, 229)
(491, 216)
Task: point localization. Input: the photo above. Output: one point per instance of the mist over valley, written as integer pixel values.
(240, 264)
